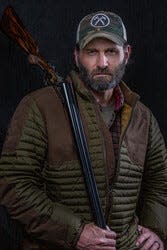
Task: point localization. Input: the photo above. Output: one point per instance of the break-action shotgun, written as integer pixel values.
(13, 27)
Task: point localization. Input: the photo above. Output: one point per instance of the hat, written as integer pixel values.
(102, 24)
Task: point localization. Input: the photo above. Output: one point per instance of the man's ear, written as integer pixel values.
(127, 52)
(76, 57)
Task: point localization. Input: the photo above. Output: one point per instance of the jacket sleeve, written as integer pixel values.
(154, 185)
(22, 187)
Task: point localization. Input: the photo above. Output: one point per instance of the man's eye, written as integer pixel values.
(91, 52)
(112, 51)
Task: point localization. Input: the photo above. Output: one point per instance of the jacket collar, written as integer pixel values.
(130, 97)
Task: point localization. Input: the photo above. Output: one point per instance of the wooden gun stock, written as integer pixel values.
(12, 26)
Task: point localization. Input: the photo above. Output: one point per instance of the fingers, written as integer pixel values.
(155, 246)
(106, 242)
(152, 246)
(95, 238)
(142, 238)
(140, 228)
(104, 248)
(110, 234)
(148, 240)
(150, 243)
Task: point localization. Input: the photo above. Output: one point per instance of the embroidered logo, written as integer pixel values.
(100, 20)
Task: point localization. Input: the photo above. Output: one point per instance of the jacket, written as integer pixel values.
(41, 181)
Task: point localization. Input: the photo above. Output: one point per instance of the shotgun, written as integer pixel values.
(13, 27)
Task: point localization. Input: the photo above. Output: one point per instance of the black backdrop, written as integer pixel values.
(53, 24)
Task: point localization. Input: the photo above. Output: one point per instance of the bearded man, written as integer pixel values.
(42, 184)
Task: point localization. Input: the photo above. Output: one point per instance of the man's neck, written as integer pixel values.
(104, 98)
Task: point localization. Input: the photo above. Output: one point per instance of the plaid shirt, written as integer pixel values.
(114, 124)
(115, 127)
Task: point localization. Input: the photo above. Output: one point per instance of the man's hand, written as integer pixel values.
(95, 238)
(148, 240)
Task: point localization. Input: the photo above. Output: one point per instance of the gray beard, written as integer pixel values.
(101, 84)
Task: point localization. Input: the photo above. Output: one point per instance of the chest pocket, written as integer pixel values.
(136, 137)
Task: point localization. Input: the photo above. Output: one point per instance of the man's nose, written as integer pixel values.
(102, 61)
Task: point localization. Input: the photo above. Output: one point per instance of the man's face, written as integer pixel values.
(102, 64)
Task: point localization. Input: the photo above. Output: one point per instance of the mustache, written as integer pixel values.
(100, 71)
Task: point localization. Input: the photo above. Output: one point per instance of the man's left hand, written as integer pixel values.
(148, 240)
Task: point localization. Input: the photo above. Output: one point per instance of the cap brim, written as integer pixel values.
(110, 36)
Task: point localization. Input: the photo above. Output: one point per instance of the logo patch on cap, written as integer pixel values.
(100, 20)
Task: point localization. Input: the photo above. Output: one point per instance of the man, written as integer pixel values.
(42, 184)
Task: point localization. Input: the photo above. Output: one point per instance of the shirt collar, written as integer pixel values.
(118, 98)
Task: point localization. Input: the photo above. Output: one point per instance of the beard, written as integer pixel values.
(95, 81)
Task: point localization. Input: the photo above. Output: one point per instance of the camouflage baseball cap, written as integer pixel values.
(102, 24)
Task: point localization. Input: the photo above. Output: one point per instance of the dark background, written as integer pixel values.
(53, 24)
